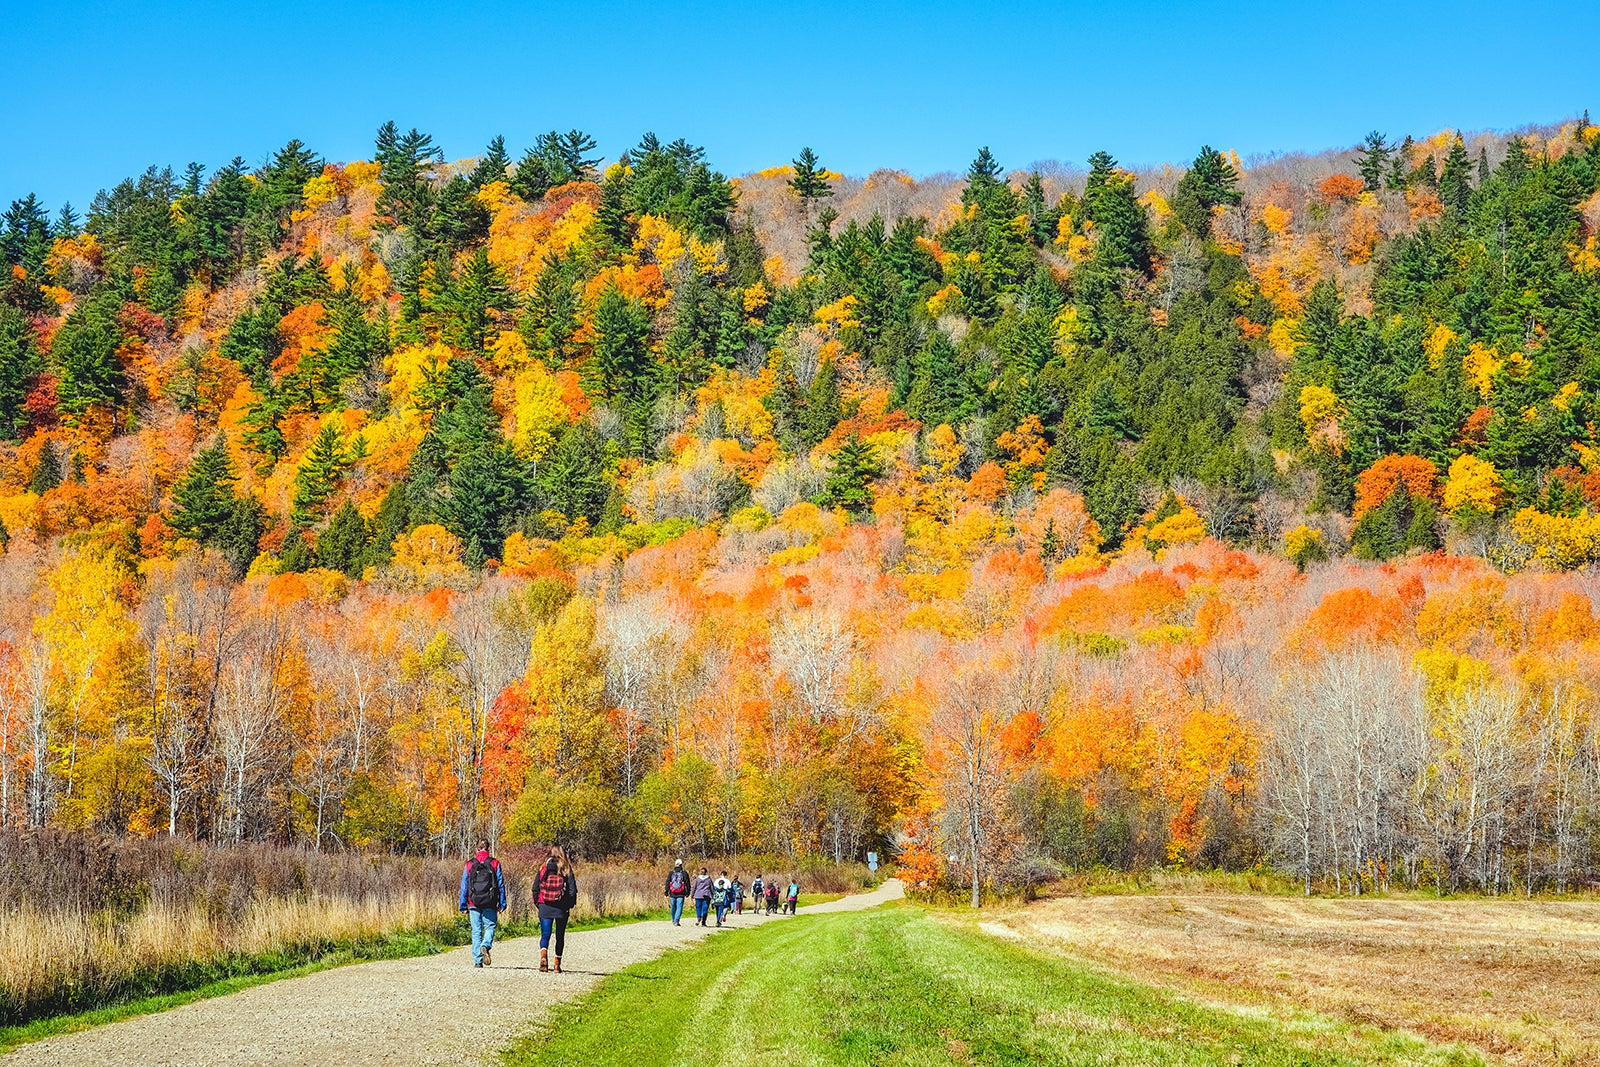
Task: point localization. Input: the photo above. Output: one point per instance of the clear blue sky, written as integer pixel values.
(97, 91)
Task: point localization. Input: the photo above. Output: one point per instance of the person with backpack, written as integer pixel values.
(792, 901)
(677, 891)
(738, 895)
(758, 895)
(556, 894)
(483, 898)
(772, 897)
(702, 896)
(722, 896)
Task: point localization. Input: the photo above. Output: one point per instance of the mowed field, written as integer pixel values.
(1517, 979)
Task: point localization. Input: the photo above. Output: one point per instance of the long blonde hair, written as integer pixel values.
(563, 865)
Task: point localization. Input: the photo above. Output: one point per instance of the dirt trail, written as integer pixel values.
(429, 1010)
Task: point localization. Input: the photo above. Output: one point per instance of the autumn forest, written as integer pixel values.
(1240, 514)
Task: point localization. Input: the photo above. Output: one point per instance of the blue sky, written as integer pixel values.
(97, 91)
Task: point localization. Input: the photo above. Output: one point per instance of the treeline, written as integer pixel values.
(370, 504)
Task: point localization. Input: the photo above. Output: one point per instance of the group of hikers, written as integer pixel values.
(555, 894)
(725, 895)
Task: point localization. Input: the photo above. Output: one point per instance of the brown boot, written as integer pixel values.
(558, 964)
(544, 960)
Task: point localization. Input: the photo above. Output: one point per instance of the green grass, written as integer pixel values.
(218, 978)
(896, 986)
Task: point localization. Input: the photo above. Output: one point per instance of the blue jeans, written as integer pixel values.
(677, 909)
(702, 907)
(556, 926)
(722, 909)
(482, 931)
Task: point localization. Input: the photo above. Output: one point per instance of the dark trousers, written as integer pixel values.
(556, 926)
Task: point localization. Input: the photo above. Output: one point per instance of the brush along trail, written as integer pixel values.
(427, 1010)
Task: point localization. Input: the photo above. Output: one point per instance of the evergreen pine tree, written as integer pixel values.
(47, 472)
(492, 167)
(1210, 182)
(203, 500)
(810, 181)
(472, 299)
(296, 556)
(240, 536)
(821, 412)
(1399, 175)
(940, 392)
(1455, 182)
(849, 483)
(622, 353)
(19, 362)
(342, 546)
(392, 520)
(1373, 161)
(1110, 202)
(318, 475)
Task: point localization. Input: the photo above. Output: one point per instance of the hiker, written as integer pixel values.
(722, 896)
(758, 895)
(772, 896)
(483, 898)
(792, 901)
(738, 895)
(702, 896)
(556, 893)
(677, 891)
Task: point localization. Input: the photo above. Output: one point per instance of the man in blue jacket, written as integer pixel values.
(483, 898)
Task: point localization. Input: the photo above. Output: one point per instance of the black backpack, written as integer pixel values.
(483, 891)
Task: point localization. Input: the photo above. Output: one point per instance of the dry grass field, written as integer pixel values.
(1517, 979)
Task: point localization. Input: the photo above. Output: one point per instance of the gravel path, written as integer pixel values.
(428, 1010)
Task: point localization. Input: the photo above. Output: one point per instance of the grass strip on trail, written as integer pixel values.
(896, 986)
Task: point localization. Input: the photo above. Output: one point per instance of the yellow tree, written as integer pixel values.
(566, 733)
(84, 638)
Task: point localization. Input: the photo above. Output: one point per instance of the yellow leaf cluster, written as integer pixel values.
(363, 172)
(1564, 397)
(509, 351)
(322, 189)
(840, 314)
(1559, 542)
(1436, 343)
(1473, 485)
(1304, 542)
(755, 298)
(743, 414)
(1275, 218)
(1284, 336)
(538, 412)
(521, 236)
(1186, 527)
(1585, 257)
(414, 368)
(1480, 364)
(940, 300)
(1318, 404)
(427, 556)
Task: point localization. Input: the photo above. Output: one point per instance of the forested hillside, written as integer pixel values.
(1038, 518)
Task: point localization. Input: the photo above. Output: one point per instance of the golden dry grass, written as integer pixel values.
(44, 953)
(1519, 980)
